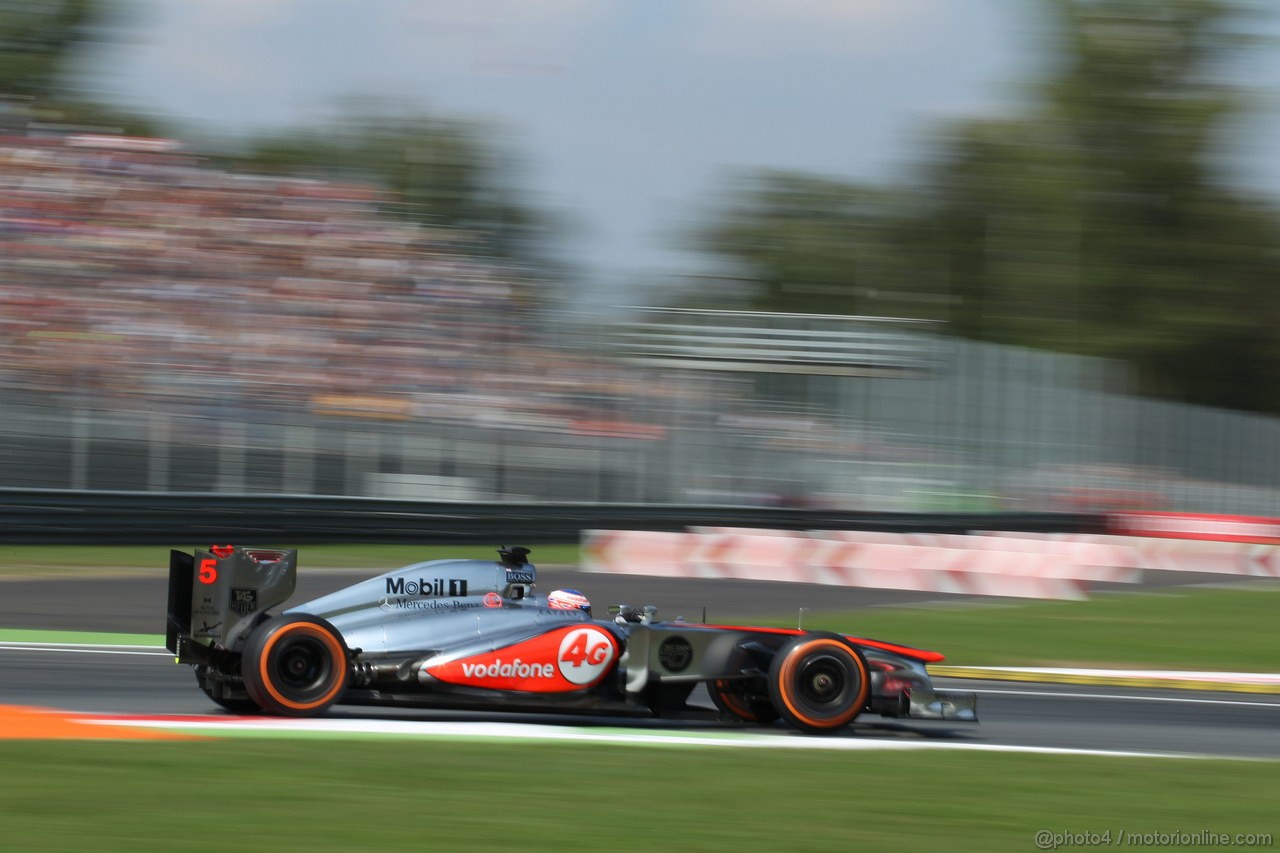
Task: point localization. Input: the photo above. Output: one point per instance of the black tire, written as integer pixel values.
(819, 683)
(746, 699)
(732, 699)
(295, 665)
(235, 706)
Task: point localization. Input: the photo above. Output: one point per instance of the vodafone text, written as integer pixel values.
(516, 669)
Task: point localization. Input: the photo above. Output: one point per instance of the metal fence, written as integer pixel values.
(34, 516)
(937, 425)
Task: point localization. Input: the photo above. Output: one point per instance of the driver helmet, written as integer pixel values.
(568, 599)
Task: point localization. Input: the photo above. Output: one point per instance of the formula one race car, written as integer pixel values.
(474, 634)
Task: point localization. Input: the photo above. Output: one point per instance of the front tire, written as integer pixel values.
(746, 699)
(819, 683)
(295, 665)
(731, 699)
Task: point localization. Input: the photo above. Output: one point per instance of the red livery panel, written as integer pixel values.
(560, 661)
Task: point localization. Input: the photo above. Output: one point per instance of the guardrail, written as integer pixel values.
(51, 516)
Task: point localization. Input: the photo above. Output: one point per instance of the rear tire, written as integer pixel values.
(295, 665)
(819, 683)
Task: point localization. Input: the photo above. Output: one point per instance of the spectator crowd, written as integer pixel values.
(134, 273)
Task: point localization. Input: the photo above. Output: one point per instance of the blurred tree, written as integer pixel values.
(1099, 223)
(816, 245)
(441, 172)
(1096, 222)
(38, 38)
(40, 41)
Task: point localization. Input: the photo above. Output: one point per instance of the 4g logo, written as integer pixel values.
(585, 653)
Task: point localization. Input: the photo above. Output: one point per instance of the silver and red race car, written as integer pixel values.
(475, 634)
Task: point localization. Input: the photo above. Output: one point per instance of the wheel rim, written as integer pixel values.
(303, 666)
(822, 682)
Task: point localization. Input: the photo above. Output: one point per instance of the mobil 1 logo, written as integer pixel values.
(438, 587)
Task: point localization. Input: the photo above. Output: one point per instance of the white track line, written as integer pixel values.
(531, 733)
(122, 650)
(42, 644)
(1125, 697)
(1171, 675)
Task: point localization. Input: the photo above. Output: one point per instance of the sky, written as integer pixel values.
(627, 115)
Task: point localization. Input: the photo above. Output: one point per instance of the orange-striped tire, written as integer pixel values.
(732, 698)
(294, 665)
(746, 699)
(819, 683)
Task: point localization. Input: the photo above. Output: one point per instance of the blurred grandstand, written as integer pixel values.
(169, 325)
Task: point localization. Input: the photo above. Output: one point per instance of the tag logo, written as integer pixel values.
(243, 601)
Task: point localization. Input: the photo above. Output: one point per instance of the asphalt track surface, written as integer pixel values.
(1012, 714)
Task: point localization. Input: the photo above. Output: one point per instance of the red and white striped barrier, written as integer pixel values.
(1008, 553)
(959, 582)
(635, 552)
(802, 558)
(989, 563)
(1249, 529)
(1183, 555)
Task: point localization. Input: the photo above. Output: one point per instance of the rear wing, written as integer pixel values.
(216, 596)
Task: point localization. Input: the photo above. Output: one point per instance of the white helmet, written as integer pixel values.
(568, 599)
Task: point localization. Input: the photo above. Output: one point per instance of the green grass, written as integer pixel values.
(37, 560)
(341, 796)
(35, 636)
(1187, 628)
